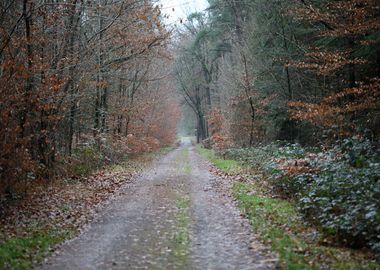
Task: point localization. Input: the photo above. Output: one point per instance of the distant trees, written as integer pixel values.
(194, 70)
(77, 71)
(288, 70)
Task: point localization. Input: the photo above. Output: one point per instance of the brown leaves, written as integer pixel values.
(217, 129)
(353, 22)
(325, 63)
(331, 111)
(342, 18)
(64, 206)
(292, 167)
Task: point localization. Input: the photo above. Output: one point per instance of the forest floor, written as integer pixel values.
(175, 215)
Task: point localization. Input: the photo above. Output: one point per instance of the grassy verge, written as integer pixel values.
(226, 165)
(280, 225)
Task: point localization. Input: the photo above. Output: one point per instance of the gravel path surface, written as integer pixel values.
(176, 215)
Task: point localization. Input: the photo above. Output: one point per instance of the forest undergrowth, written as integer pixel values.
(315, 207)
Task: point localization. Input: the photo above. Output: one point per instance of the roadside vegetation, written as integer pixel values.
(24, 251)
(32, 227)
(315, 208)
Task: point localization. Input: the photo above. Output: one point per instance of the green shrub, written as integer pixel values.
(337, 189)
(87, 158)
(344, 197)
(279, 224)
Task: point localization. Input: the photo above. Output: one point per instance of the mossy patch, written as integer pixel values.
(185, 153)
(185, 156)
(181, 239)
(187, 169)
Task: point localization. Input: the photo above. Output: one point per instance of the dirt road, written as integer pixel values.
(174, 216)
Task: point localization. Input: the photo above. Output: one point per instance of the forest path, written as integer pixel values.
(174, 216)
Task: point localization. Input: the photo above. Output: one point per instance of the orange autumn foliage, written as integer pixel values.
(356, 102)
(217, 128)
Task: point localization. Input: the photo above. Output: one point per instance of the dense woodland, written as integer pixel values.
(289, 87)
(79, 77)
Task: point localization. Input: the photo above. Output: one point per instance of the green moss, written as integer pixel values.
(185, 153)
(187, 169)
(185, 157)
(267, 216)
(206, 153)
(226, 164)
(81, 169)
(181, 239)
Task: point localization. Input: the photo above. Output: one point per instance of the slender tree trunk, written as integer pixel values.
(127, 121)
(251, 133)
(101, 89)
(73, 109)
(97, 106)
(104, 98)
(237, 9)
(29, 55)
(201, 134)
(249, 93)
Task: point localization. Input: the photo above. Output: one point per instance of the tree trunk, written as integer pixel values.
(29, 55)
(201, 128)
(251, 133)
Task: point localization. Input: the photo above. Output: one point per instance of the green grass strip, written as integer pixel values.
(181, 241)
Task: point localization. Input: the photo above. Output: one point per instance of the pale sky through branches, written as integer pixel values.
(181, 9)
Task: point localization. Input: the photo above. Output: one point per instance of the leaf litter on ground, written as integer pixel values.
(59, 208)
